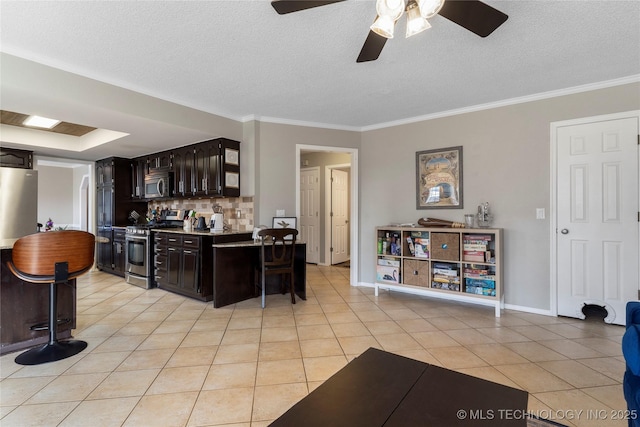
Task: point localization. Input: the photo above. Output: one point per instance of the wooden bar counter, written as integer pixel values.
(234, 272)
(23, 305)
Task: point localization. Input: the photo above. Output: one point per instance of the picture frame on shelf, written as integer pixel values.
(284, 222)
(439, 178)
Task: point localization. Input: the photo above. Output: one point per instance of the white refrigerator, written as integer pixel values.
(18, 202)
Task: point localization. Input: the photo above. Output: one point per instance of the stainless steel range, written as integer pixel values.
(138, 256)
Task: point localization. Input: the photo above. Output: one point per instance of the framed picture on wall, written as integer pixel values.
(439, 178)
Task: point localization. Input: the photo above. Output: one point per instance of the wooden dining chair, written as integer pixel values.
(52, 258)
(277, 254)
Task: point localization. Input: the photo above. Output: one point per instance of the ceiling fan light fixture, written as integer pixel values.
(429, 8)
(40, 122)
(415, 22)
(383, 26)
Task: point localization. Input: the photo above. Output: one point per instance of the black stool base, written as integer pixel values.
(51, 352)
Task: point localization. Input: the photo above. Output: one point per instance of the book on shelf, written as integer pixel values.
(479, 276)
(446, 286)
(477, 238)
(474, 247)
(421, 251)
(387, 273)
(445, 271)
(477, 256)
(484, 283)
(411, 246)
(389, 261)
(476, 290)
(445, 279)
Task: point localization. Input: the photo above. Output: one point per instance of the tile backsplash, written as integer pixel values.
(204, 207)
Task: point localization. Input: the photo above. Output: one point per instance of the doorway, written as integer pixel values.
(595, 233)
(327, 156)
(337, 214)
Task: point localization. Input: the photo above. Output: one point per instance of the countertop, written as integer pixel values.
(198, 232)
(245, 244)
(7, 243)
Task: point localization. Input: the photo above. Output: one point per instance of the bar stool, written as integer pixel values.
(54, 257)
(277, 256)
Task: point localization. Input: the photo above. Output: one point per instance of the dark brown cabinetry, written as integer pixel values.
(118, 251)
(182, 261)
(138, 171)
(207, 169)
(113, 208)
(178, 264)
(159, 162)
(14, 158)
(182, 161)
(104, 253)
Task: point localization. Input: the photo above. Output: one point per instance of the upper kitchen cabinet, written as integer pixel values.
(182, 160)
(114, 189)
(159, 162)
(207, 169)
(138, 171)
(14, 158)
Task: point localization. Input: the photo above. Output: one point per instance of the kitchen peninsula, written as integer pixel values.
(24, 305)
(218, 267)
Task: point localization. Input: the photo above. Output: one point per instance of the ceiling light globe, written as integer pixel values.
(415, 22)
(391, 9)
(429, 8)
(383, 26)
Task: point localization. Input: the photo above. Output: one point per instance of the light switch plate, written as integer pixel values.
(539, 213)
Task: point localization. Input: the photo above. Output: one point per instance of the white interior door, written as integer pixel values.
(310, 212)
(339, 216)
(597, 216)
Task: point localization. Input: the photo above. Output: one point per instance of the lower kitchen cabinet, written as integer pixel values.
(179, 264)
(118, 250)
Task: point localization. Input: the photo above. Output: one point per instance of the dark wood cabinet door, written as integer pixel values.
(104, 249)
(138, 168)
(118, 252)
(105, 172)
(14, 158)
(104, 206)
(213, 172)
(190, 270)
(174, 266)
(189, 172)
(159, 162)
(177, 161)
(200, 171)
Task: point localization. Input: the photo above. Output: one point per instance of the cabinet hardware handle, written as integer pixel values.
(187, 252)
(188, 241)
(564, 231)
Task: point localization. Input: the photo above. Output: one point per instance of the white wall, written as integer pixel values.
(55, 195)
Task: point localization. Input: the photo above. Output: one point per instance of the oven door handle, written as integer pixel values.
(136, 237)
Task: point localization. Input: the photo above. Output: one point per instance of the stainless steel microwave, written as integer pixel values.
(157, 185)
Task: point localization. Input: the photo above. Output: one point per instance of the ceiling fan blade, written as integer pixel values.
(372, 47)
(288, 6)
(475, 16)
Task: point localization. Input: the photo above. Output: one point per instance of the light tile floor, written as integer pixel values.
(159, 359)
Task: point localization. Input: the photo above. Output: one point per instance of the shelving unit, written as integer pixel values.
(462, 264)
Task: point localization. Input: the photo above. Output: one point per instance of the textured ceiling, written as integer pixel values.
(240, 59)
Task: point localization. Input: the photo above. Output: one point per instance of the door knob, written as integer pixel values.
(564, 231)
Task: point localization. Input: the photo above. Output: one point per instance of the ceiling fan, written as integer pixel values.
(474, 15)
